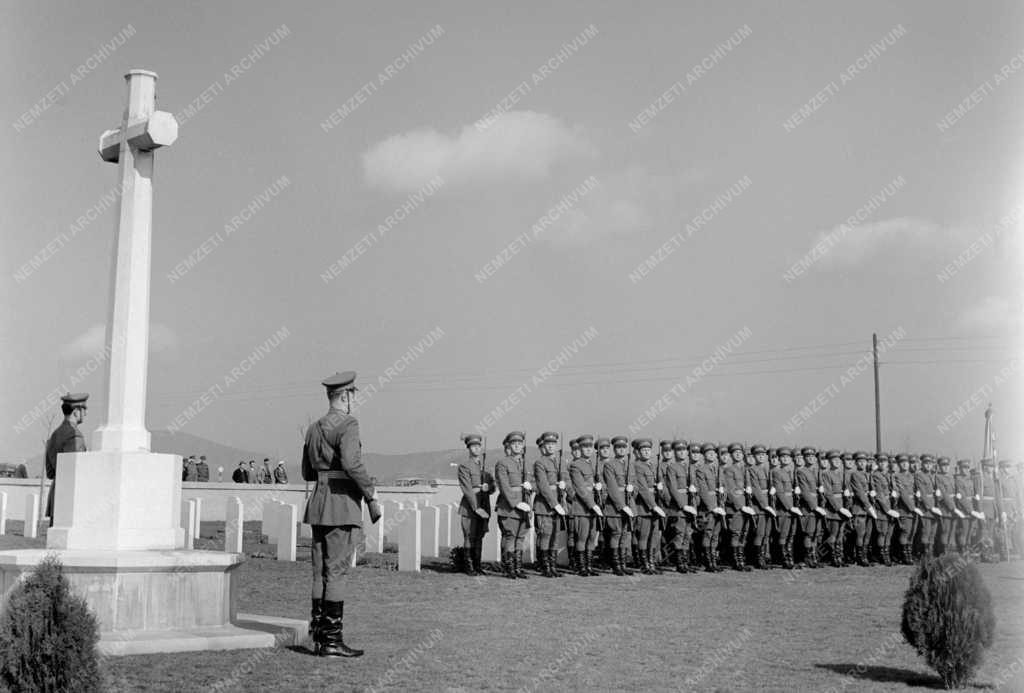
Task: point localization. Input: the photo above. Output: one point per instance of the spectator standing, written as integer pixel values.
(251, 477)
(280, 473)
(190, 473)
(266, 476)
(238, 476)
(202, 469)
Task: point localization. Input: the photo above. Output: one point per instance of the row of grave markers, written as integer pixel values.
(421, 529)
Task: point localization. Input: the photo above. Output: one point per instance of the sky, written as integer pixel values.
(666, 219)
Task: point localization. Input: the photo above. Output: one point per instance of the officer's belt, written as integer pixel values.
(327, 476)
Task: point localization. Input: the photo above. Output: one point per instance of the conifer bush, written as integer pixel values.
(48, 636)
(948, 618)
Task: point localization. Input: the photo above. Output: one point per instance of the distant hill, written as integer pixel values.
(430, 464)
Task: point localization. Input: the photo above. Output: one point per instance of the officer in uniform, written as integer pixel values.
(665, 457)
(331, 457)
(759, 488)
(477, 485)
(806, 490)
(680, 509)
(618, 507)
(570, 537)
(604, 452)
(513, 505)
(548, 510)
(881, 490)
(203, 469)
(924, 485)
(906, 505)
(649, 514)
(737, 512)
(781, 476)
(830, 481)
(964, 493)
(945, 500)
(710, 511)
(586, 512)
(65, 438)
(988, 505)
(861, 506)
(1009, 493)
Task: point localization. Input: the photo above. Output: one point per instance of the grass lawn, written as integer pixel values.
(810, 630)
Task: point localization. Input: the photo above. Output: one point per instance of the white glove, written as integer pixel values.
(938, 493)
(598, 486)
(719, 511)
(771, 511)
(660, 486)
(484, 487)
(959, 496)
(692, 489)
(629, 488)
(561, 485)
(629, 511)
(820, 510)
(847, 493)
(483, 513)
(845, 513)
(895, 494)
(527, 486)
(872, 513)
(796, 490)
(771, 491)
(958, 513)
(747, 489)
(917, 494)
(559, 509)
(821, 489)
(936, 511)
(659, 511)
(977, 497)
(597, 510)
(893, 514)
(872, 493)
(747, 509)
(919, 512)
(523, 506)
(978, 515)
(796, 511)
(690, 509)
(721, 489)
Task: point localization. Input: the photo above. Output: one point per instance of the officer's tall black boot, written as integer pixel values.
(591, 571)
(573, 566)
(862, 557)
(508, 565)
(622, 562)
(332, 643)
(477, 560)
(518, 563)
(553, 562)
(316, 615)
(467, 561)
(581, 563)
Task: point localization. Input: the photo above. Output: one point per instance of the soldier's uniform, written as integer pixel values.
(680, 510)
(964, 493)
(570, 534)
(733, 480)
(586, 512)
(709, 511)
(830, 482)
(988, 505)
(860, 506)
(763, 502)
(1009, 507)
(806, 491)
(477, 485)
(905, 504)
(649, 513)
(924, 491)
(331, 456)
(203, 470)
(513, 508)
(945, 500)
(548, 511)
(618, 507)
(65, 438)
(881, 490)
(781, 477)
(662, 461)
(190, 472)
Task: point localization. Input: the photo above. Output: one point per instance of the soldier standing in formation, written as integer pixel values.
(861, 506)
(710, 512)
(881, 492)
(618, 510)
(586, 512)
(805, 488)
(331, 456)
(513, 505)
(945, 496)
(781, 476)
(475, 509)
(924, 492)
(963, 485)
(763, 519)
(648, 512)
(679, 507)
(548, 510)
(65, 438)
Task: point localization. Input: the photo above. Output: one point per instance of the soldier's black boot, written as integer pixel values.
(517, 557)
(741, 560)
(477, 559)
(331, 642)
(553, 564)
(582, 562)
(507, 565)
(656, 559)
(573, 560)
(316, 615)
(467, 561)
(862, 557)
(622, 562)
(591, 571)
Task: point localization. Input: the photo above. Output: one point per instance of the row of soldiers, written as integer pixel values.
(693, 501)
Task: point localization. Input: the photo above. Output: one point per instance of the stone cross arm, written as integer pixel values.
(145, 134)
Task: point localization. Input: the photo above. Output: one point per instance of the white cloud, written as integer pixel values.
(853, 246)
(519, 146)
(92, 342)
(991, 315)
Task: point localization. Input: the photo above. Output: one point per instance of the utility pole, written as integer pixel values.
(878, 410)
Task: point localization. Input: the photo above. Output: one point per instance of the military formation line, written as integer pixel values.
(615, 504)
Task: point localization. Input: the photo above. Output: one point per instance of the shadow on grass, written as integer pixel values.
(885, 675)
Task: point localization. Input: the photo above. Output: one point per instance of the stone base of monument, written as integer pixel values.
(160, 601)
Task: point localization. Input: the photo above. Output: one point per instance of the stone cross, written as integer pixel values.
(143, 129)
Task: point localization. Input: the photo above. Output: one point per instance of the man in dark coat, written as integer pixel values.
(66, 438)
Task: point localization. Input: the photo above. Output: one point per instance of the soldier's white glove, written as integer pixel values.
(484, 487)
(629, 488)
(629, 511)
(978, 515)
(820, 510)
(771, 511)
(959, 496)
(483, 514)
(977, 497)
(796, 511)
(958, 513)
(561, 485)
(919, 512)
(936, 511)
(796, 490)
(872, 493)
(527, 486)
(659, 511)
(747, 489)
(895, 494)
(872, 513)
(597, 510)
(660, 486)
(917, 494)
(690, 509)
(721, 489)
(559, 509)
(747, 509)
(821, 489)
(893, 514)
(523, 506)
(598, 486)
(692, 489)
(771, 491)
(845, 513)
(938, 493)
(719, 510)
(847, 493)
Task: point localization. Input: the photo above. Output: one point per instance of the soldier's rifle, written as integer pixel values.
(628, 494)
(528, 496)
(563, 494)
